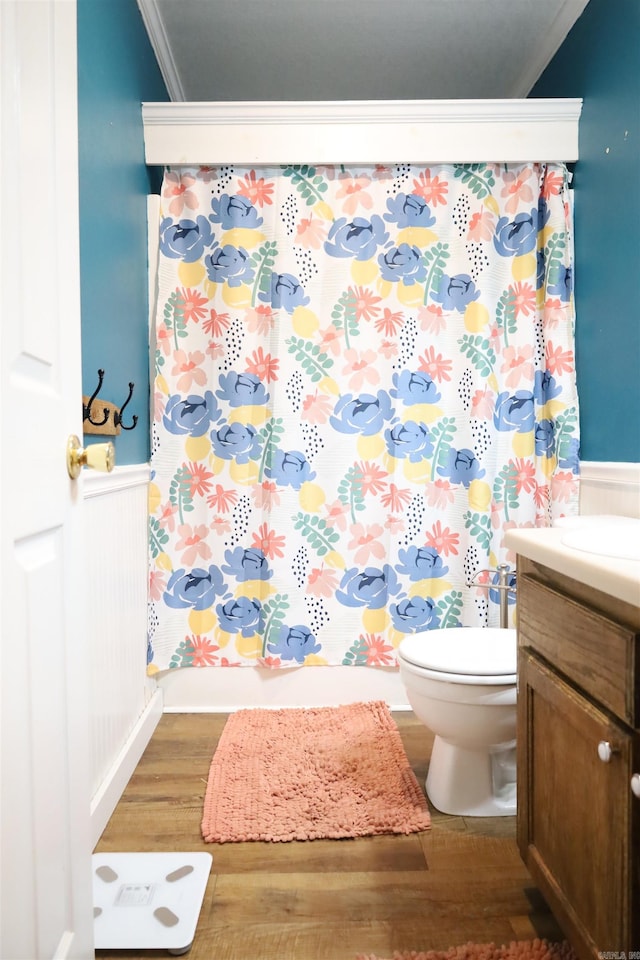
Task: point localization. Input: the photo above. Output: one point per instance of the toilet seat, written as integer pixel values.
(455, 655)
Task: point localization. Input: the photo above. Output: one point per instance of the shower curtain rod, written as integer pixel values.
(367, 131)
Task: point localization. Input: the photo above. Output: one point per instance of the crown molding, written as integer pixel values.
(157, 34)
(368, 131)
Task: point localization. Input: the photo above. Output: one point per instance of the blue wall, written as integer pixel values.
(117, 70)
(599, 62)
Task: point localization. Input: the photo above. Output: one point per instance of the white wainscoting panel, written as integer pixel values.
(610, 488)
(125, 704)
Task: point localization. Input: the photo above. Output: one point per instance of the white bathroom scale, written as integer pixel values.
(148, 901)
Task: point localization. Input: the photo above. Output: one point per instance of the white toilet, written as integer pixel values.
(461, 683)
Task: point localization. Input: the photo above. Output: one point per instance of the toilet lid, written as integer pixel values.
(489, 652)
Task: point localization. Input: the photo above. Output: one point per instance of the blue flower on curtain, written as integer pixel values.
(196, 588)
(234, 211)
(229, 264)
(294, 643)
(413, 386)
(409, 211)
(415, 615)
(185, 240)
(191, 415)
(359, 238)
(363, 414)
(403, 262)
(518, 236)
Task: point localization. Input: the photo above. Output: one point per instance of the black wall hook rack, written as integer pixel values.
(101, 421)
(117, 417)
(86, 407)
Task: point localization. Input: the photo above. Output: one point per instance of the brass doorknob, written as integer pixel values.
(98, 456)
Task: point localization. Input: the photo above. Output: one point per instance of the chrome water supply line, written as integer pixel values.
(506, 586)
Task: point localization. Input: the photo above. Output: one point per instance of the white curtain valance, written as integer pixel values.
(368, 131)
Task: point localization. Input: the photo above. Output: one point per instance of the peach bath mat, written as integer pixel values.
(303, 774)
(516, 950)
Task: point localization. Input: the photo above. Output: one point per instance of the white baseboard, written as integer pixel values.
(106, 797)
(223, 690)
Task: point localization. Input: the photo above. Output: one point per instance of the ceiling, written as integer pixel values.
(211, 50)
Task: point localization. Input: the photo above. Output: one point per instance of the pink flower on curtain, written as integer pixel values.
(192, 304)
(220, 525)
(260, 320)
(373, 477)
(433, 190)
(322, 581)
(188, 369)
(202, 651)
(379, 653)
(366, 542)
(439, 494)
(517, 189)
(255, 189)
(166, 516)
(552, 184)
(394, 525)
(365, 303)
(388, 349)
(311, 233)
(317, 408)
(354, 192)
(525, 475)
(269, 542)
(396, 499)
(199, 478)
(563, 486)
(361, 366)
(435, 365)
(483, 404)
(555, 312)
(265, 495)
(481, 226)
(217, 324)
(164, 339)
(177, 189)
(192, 543)
(443, 539)
(331, 340)
(517, 365)
(337, 513)
(432, 319)
(389, 323)
(222, 500)
(157, 584)
(524, 298)
(215, 349)
(557, 359)
(262, 365)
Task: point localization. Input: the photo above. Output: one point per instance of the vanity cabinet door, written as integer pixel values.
(575, 807)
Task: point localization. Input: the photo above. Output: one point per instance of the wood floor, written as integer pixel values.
(327, 899)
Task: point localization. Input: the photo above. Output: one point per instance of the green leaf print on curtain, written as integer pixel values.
(364, 377)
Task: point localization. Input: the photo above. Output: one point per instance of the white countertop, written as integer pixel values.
(617, 576)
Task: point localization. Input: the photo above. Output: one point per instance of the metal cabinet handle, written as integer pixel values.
(606, 751)
(635, 784)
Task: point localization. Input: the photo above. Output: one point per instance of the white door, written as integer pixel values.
(46, 908)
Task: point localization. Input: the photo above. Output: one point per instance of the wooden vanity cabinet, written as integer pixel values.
(578, 819)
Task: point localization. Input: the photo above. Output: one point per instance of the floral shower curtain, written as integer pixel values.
(363, 378)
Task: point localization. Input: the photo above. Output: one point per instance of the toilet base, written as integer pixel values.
(472, 783)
